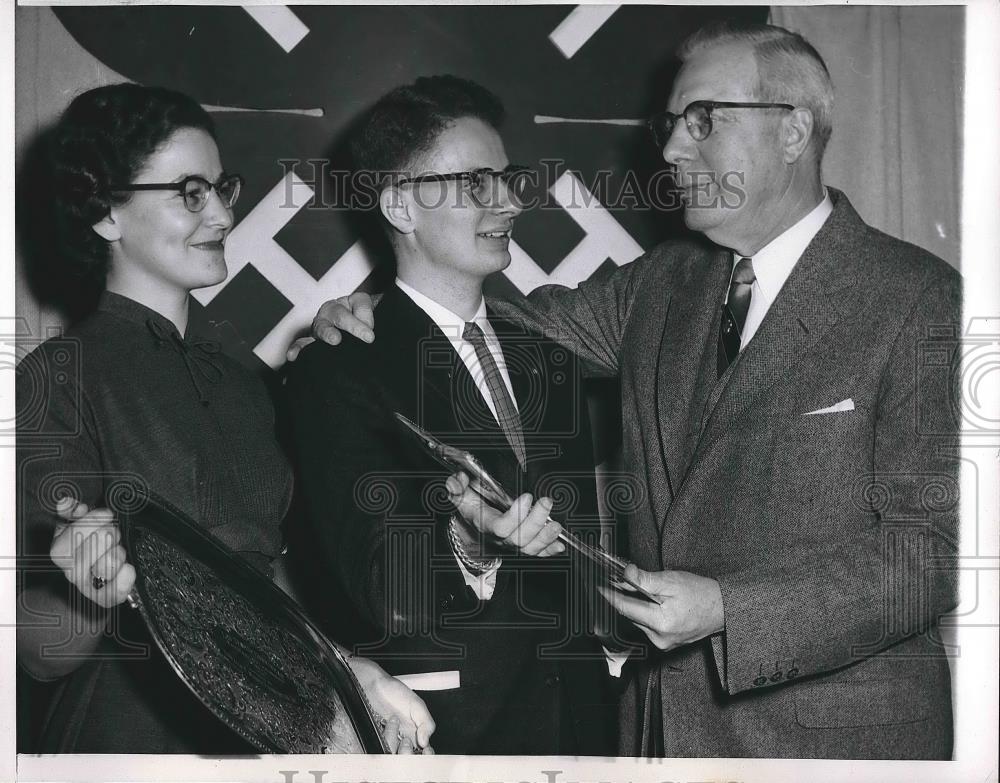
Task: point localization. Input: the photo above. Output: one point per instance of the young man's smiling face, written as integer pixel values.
(452, 232)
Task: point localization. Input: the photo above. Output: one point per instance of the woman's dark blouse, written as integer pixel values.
(123, 397)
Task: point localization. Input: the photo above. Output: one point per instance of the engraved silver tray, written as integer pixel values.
(242, 646)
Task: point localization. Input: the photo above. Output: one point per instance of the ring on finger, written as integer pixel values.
(108, 562)
(97, 582)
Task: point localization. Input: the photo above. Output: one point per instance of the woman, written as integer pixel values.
(143, 204)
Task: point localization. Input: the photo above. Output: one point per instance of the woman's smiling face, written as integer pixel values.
(156, 236)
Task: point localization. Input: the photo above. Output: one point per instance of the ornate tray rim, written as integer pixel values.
(252, 585)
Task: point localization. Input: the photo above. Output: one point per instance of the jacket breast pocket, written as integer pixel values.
(816, 461)
(841, 705)
(815, 443)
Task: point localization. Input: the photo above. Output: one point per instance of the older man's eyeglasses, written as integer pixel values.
(483, 184)
(196, 190)
(698, 118)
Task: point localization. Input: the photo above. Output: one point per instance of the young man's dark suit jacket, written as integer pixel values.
(822, 530)
(373, 541)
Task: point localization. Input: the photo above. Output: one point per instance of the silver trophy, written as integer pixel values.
(489, 489)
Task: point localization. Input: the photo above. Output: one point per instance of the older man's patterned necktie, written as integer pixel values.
(507, 415)
(734, 314)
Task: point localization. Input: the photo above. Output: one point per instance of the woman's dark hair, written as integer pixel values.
(105, 137)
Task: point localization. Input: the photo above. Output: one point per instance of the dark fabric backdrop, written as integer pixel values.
(350, 56)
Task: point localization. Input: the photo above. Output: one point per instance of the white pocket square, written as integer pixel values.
(843, 405)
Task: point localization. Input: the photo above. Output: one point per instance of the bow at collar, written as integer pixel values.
(198, 355)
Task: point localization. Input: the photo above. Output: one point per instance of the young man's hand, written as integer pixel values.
(525, 528)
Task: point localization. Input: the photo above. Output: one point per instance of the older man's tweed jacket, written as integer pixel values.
(829, 534)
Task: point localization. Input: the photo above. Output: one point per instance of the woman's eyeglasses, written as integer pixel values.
(196, 190)
(483, 184)
(698, 118)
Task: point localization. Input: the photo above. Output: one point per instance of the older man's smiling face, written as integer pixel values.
(733, 180)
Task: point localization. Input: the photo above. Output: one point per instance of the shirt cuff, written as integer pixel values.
(482, 585)
(615, 661)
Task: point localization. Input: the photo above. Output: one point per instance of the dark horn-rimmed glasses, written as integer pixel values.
(195, 189)
(482, 183)
(698, 118)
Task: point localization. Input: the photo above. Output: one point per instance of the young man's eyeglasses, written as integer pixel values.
(698, 117)
(483, 184)
(196, 190)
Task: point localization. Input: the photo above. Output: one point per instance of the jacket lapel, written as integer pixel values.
(422, 353)
(804, 312)
(690, 331)
(521, 358)
(444, 398)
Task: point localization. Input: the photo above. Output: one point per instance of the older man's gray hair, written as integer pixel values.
(789, 69)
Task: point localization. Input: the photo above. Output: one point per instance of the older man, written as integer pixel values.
(802, 503)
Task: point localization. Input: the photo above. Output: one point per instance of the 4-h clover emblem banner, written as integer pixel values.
(285, 85)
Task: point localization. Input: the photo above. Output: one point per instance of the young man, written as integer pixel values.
(493, 636)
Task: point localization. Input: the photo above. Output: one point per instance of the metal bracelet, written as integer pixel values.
(472, 565)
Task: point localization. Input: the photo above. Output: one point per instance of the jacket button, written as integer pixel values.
(447, 600)
(760, 681)
(776, 677)
(793, 672)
